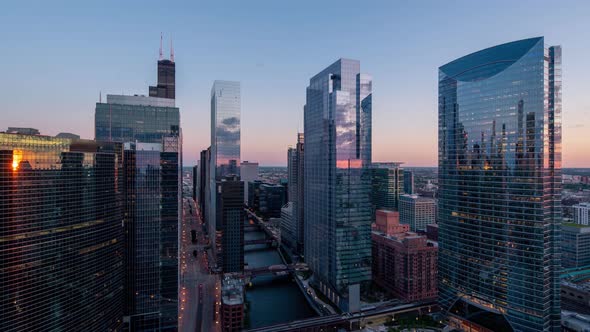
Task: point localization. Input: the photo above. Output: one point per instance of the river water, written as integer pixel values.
(271, 299)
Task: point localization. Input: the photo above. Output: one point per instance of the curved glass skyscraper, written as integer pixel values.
(61, 234)
(500, 184)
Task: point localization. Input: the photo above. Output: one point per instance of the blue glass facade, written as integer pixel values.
(500, 176)
(225, 151)
(337, 181)
(61, 234)
(135, 118)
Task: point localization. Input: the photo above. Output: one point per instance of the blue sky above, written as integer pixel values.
(56, 57)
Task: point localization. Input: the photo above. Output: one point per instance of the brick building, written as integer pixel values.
(232, 304)
(405, 265)
(388, 222)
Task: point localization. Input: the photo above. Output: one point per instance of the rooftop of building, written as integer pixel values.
(387, 164)
(578, 228)
(582, 286)
(417, 198)
(22, 130)
(232, 290)
(575, 321)
(583, 204)
(407, 236)
(140, 100)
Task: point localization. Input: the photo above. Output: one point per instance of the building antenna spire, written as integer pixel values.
(171, 50)
(161, 55)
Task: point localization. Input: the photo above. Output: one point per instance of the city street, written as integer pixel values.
(199, 291)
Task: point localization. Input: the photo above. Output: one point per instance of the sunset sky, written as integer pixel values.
(56, 58)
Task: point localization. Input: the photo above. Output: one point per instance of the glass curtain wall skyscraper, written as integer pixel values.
(500, 183)
(387, 181)
(150, 127)
(337, 181)
(61, 234)
(225, 149)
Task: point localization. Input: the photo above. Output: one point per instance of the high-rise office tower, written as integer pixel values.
(166, 87)
(230, 224)
(151, 127)
(408, 182)
(581, 213)
(225, 146)
(387, 181)
(204, 182)
(337, 181)
(417, 211)
(248, 172)
(295, 160)
(61, 234)
(196, 178)
(500, 183)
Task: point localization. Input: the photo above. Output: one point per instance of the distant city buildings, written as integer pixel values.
(499, 192)
(248, 172)
(204, 195)
(581, 213)
(62, 263)
(294, 225)
(387, 181)
(196, 183)
(337, 186)
(417, 211)
(405, 264)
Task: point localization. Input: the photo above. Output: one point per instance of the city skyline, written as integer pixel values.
(79, 48)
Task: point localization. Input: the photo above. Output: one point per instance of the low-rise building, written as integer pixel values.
(581, 213)
(232, 304)
(405, 265)
(575, 244)
(387, 222)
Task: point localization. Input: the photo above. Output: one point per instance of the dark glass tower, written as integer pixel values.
(295, 227)
(166, 87)
(142, 173)
(230, 224)
(61, 234)
(337, 181)
(408, 182)
(500, 183)
(387, 181)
